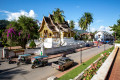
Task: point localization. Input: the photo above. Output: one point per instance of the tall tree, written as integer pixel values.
(116, 29)
(3, 24)
(72, 24)
(88, 19)
(85, 21)
(81, 23)
(20, 31)
(58, 16)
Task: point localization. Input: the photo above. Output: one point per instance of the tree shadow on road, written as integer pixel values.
(9, 74)
(75, 64)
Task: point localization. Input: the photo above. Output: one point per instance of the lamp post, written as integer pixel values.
(104, 41)
(42, 48)
(115, 36)
(81, 53)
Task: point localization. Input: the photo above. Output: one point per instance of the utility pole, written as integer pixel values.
(115, 36)
(81, 53)
(59, 35)
(104, 43)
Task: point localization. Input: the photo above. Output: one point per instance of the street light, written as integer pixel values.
(115, 36)
(81, 53)
(104, 41)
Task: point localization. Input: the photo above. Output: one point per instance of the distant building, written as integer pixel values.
(90, 35)
(103, 36)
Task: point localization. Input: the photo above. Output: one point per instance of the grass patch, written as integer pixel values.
(73, 73)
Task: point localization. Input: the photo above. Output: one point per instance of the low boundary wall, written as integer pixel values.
(104, 69)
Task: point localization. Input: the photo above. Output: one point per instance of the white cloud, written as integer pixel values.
(92, 29)
(77, 26)
(103, 28)
(16, 15)
(68, 21)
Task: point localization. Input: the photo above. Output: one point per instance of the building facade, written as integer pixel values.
(103, 36)
(49, 29)
(55, 34)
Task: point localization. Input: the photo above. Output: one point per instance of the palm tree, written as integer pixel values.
(88, 19)
(81, 23)
(58, 18)
(85, 21)
(72, 24)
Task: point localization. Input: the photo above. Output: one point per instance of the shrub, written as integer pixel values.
(90, 39)
(76, 37)
(32, 44)
(117, 41)
(89, 73)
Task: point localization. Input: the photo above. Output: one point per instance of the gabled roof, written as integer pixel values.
(50, 25)
(54, 26)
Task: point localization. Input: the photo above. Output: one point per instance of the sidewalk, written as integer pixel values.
(115, 72)
(60, 54)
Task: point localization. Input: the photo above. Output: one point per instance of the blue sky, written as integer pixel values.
(105, 12)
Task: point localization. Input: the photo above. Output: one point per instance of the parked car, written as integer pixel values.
(87, 45)
(26, 59)
(63, 63)
(39, 61)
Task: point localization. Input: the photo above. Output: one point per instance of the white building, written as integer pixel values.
(103, 36)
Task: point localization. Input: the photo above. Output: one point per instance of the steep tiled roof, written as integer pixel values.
(50, 25)
(54, 26)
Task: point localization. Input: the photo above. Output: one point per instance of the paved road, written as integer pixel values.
(24, 72)
(0, 52)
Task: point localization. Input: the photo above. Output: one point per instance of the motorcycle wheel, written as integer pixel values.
(18, 63)
(33, 66)
(9, 62)
(63, 69)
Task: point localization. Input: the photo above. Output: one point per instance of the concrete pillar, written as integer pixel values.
(42, 50)
(5, 52)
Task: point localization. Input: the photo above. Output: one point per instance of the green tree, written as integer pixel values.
(58, 16)
(32, 44)
(76, 37)
(85, 21)
(88, 19)
(72, 24)
(81, 23)
(20, 31)
(3, 24)
(116, 29)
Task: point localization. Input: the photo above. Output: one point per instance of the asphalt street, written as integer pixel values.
(24, 72)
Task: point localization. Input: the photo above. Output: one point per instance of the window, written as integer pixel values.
(68, 60)
(50, 34)
(69, 35)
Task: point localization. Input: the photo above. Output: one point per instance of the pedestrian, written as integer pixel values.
(98, 44)
(63, 55)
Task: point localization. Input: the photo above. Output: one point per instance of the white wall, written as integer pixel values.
(55, 42)
(27, 51)
(117, 44)
(48, 43)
